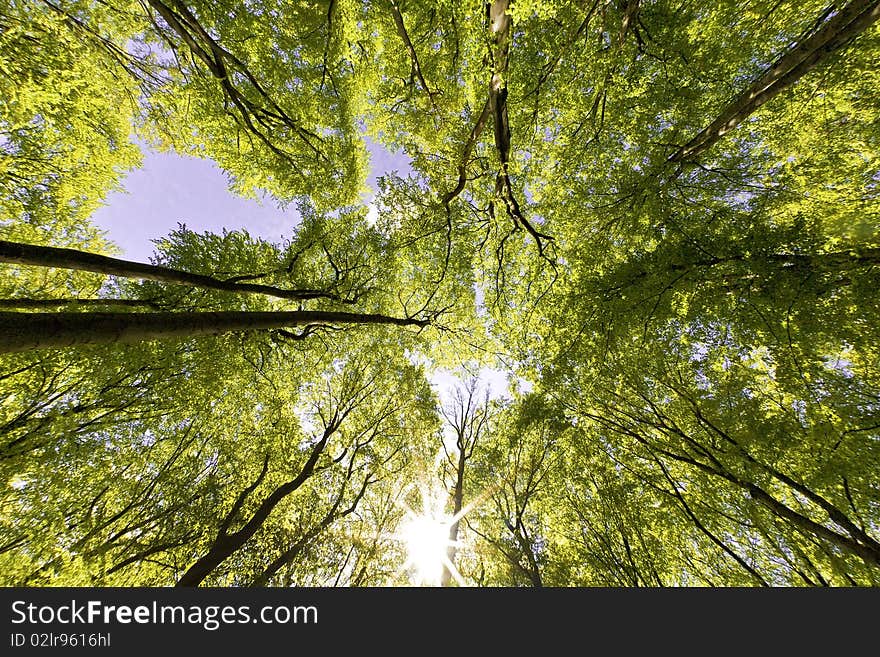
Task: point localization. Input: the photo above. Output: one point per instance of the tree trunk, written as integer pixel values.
(838, 31)
(457, 504)
(49, 256)
(26, 331)
(500, 36)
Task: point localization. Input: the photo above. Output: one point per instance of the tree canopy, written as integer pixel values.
(659, 218)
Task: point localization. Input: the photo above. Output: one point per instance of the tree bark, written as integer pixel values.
(26, 331)
(838, 31)
(50, 256)
(468, 419)
(500, 36)
(475, 133)
(457, 505)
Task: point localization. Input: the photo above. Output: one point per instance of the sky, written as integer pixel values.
(170, 189)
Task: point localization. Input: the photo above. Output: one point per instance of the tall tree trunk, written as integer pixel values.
(469, 419)
(500, 37)
(26, 331)
(838, 31)
(50, 256)
(457, 505)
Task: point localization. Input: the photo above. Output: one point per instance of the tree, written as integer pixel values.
(659, 219)
(513, 472)
(468, 420)
(65, 118)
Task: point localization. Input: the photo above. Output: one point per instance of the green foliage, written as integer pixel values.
(65, 120)
(694, 339)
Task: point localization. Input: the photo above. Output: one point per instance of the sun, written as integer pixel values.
(425, 537)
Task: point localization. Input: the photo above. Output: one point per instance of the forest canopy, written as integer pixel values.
(659, 218)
